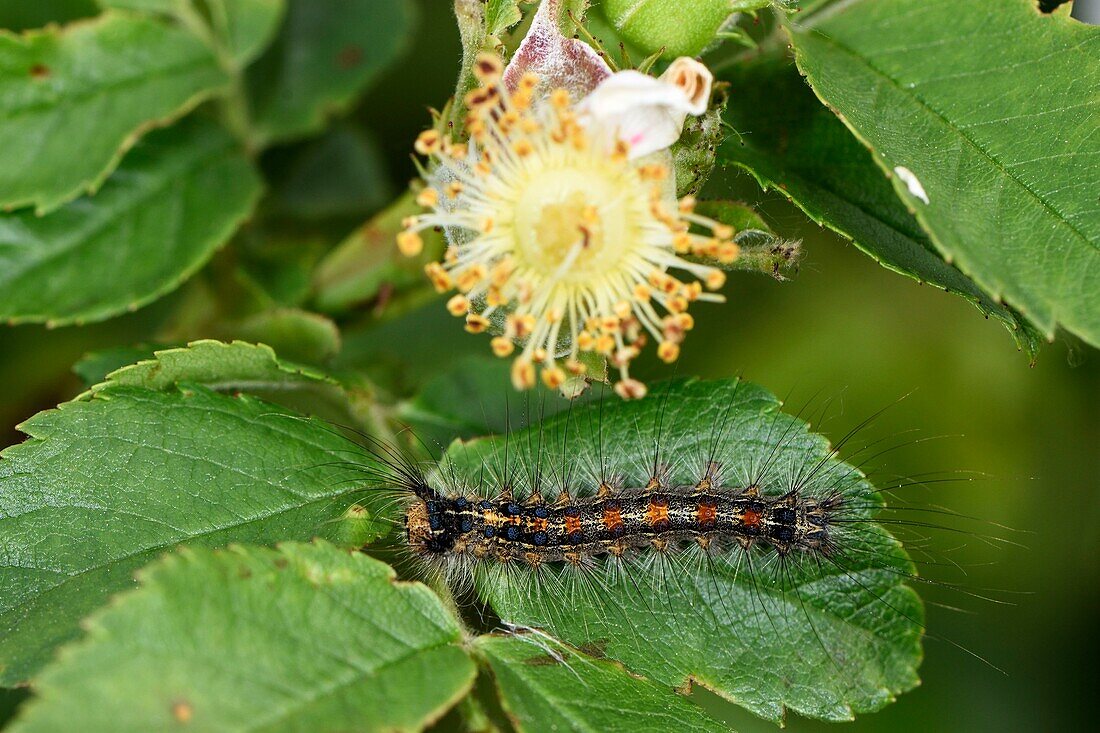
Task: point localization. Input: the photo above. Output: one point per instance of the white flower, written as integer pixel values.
(645, 112)
(562, 220)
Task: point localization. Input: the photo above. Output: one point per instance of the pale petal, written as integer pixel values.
(646, 113)
(694, 79)
(560, 62)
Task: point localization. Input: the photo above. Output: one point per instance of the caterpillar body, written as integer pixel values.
(616, 521)
(699, 536)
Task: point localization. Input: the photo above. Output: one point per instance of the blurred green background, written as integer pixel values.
(846, 329)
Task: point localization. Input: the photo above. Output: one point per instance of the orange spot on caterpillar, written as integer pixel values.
(706, 514)
(656, 514)
(612, 518)
(572, 524)
(750, 518)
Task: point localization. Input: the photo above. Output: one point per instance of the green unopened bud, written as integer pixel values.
(680, 28)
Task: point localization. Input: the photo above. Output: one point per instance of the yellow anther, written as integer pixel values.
(520, 326)
(458, 305)
(502, 346)
(677, 304)
(469, 278)
(428, 197)
(728, 252)
(522, 147)
(559, 99)
(630, 389)
(441, 281)
(428, 142)
(553, 377)
(476, 323)
(409, 243)
(723, 231)
(668, 351)
(487, 67)
(523, 373)
(575, 367)
(529, 81)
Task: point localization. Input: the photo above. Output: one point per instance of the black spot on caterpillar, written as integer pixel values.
(699, 536)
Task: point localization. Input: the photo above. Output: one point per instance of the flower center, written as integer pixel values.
(570, 225)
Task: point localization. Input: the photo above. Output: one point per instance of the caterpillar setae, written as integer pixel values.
(698, 536)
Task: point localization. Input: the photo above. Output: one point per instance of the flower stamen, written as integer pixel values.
(553, 219)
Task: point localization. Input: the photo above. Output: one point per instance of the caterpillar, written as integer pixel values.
(703, 536)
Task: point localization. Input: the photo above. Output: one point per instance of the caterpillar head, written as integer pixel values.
(428, 527)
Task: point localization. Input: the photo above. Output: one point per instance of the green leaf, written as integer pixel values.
(327, 54)
(538, 683)
(826, 639)
(984, 115)
(246, 27)
(11, 701)
(74, 99)
(500, 15)
(108, 483)
(307, 637)
(19, 15)
(294, 333)
(242, 367)
(367, 262)
(177, 197)
(793, 145)
(242, 29)
(341, 174)
(94, 367)
(166, 7)
(471, 398)
(235, 367)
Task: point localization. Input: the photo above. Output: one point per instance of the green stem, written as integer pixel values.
(234, 105)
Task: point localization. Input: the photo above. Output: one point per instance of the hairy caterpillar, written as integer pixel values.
(703, 536)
